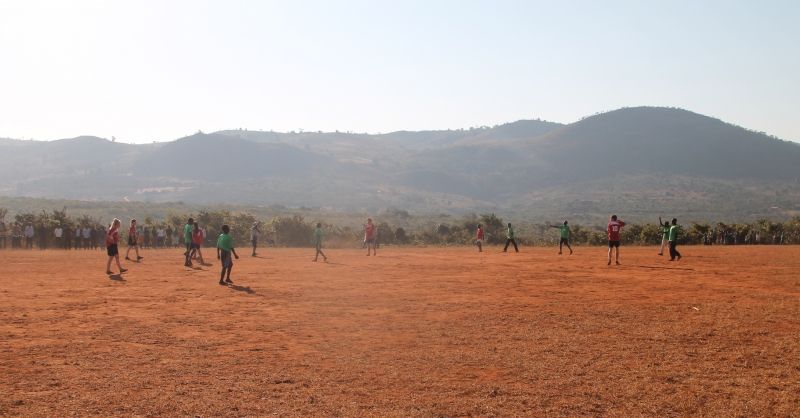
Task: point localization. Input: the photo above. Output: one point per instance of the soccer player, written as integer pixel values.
(187, 240)
(614, 228)
(664, 234)
(479, 237)
(197, 241)
(370, 236)
(673, 241)
(254, 233)
(224, 250)
(133, 242)
(510, 239)
(112, 249)
(564, 237)
(318, 235)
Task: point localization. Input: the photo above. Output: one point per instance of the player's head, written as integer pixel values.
(479, 225)
(196, 226)
(190, 221)
(319, 225)
(674, 221)
(565, 223)
(115, 223)
(369, 220)
(509, 224)
(133, 222)
(226, 229)
(613, 217)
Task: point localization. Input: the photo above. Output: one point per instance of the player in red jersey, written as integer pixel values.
(371, 236)
(133, 242)
(112, 249)
(614, 228)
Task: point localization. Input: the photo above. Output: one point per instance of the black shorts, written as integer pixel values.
(194, 246)
(613, 244)
(254, 241)
(112, 250)
(370, 240)
(225, 257)
(564, 241)
(131, 241)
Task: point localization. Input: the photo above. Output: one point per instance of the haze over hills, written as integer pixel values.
(639, 161)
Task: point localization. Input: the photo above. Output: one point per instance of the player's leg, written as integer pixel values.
(610, 248)
(560, 245)
(566, 241)
(480, 246)
(515, 245)
(230, 267)
(108, 265)
(508, 241)
(661, 250)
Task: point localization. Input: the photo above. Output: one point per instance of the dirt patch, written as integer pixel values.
(411, 332)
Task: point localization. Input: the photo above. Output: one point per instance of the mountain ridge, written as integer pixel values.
(506, 167)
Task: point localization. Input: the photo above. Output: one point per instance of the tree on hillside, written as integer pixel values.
(493, 227)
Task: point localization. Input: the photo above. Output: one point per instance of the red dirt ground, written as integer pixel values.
(412, 332)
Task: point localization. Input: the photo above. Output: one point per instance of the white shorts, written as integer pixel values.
(478, 241)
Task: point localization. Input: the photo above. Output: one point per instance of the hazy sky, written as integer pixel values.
(158, 70)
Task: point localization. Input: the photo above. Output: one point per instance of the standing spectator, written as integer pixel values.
(169, 240)
(67, 238)
(176, 239)
(76, 242)
(16, 236)
(160, 236)
(28, 236)
(41, 233)
(3, 233)
(58, 233)
(92, 238)
(100, 233)
(86, 237)
(146, 233)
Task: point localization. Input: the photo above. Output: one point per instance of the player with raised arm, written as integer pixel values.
(564, 228)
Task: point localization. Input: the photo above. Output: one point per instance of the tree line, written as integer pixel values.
(297, 231)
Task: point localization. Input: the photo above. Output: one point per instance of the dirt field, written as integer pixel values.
(412, 332)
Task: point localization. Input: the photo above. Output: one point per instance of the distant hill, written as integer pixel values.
(639, 161)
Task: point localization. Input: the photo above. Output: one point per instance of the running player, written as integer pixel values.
(318, 235)
(112, 246)
(673, 241)
(564, 237)
(197, 242)
(664, 234)
(510, 239)
(370, 236)
(479, 237)
(187, 240)
(614, 228)
(224, 250)
(133, 242)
